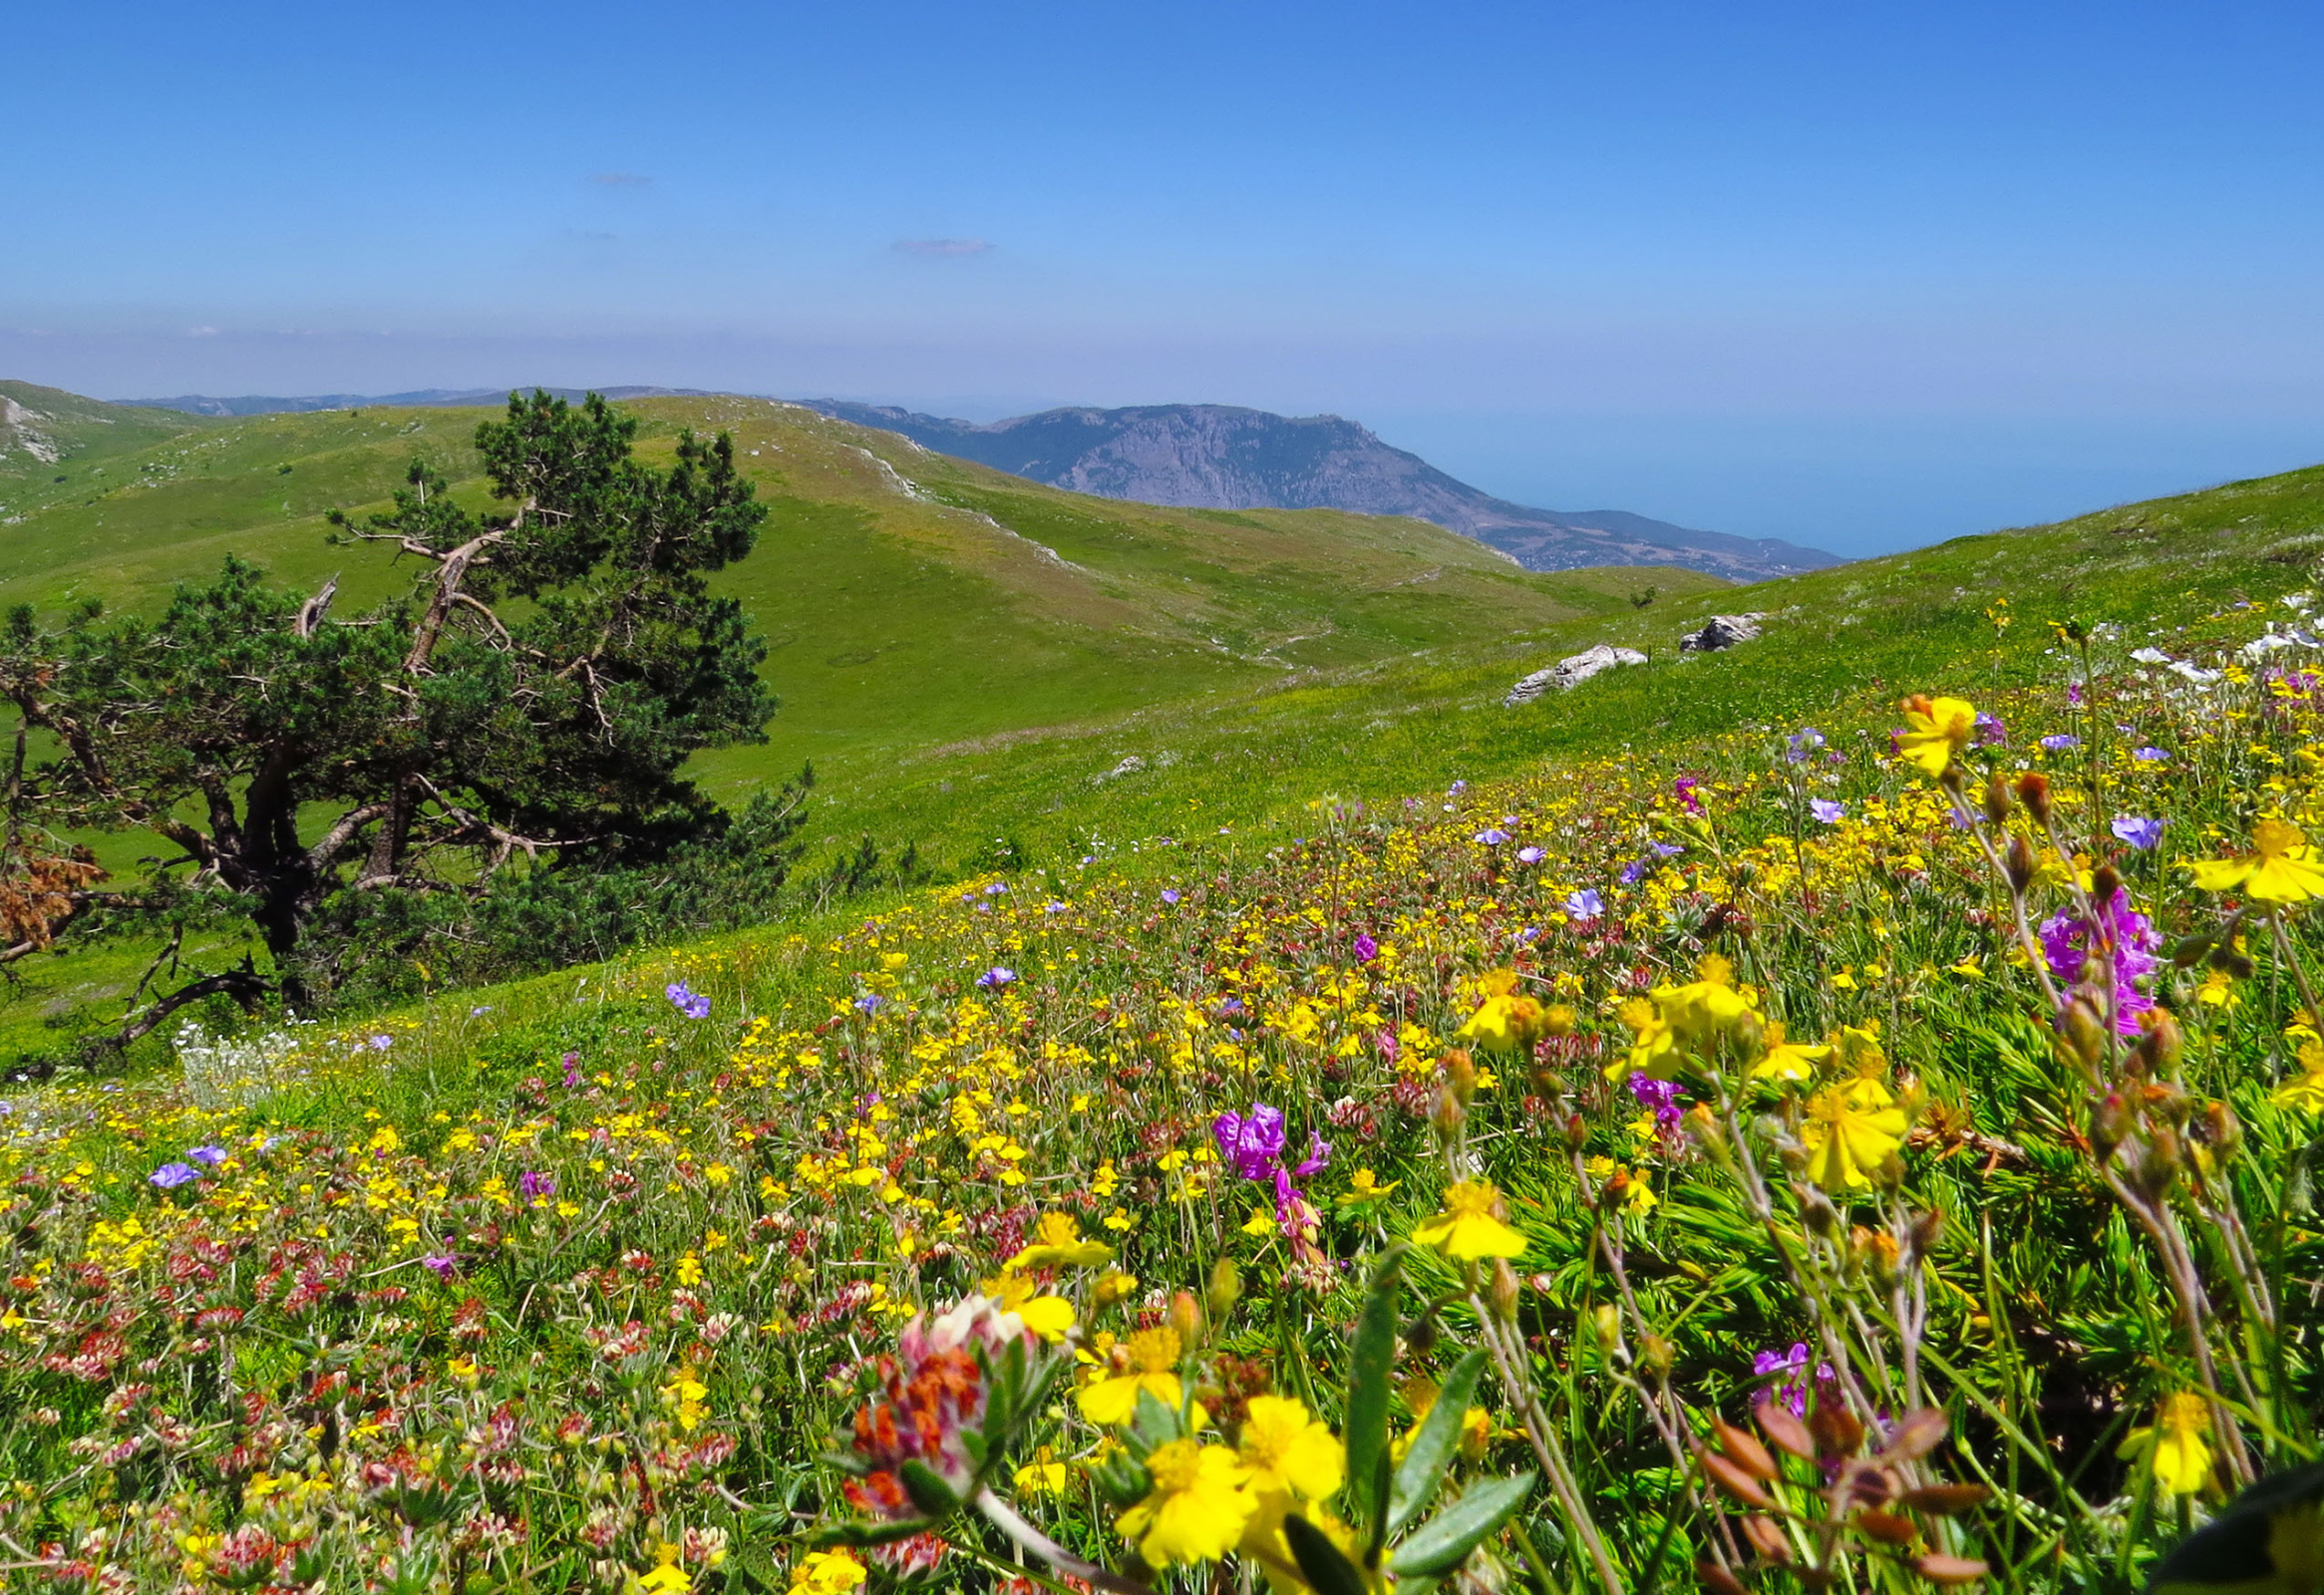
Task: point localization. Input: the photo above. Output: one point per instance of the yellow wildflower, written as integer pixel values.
(1851, 1129)
(1043, 1476)
(1364, 1188)
(1466, 1229)
(2276, 870)
(1152, 1365)
(2305, 1090)
(667, 1577)
(1505, 1019)
(1936, 731)
(2177, 1444)
(825, 1573)
(1294, 1460)
(1197, 1508)
(1048, 1317)
(1058, 1244)
(1788, 1060)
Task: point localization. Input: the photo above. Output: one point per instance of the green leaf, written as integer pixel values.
(1320, 1561)
(1448, 1538)
(1435, 1442)
(1366, 1425)
(1154, 1423)
(927, 1489)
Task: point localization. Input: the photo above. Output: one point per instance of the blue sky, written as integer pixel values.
(1858, 276)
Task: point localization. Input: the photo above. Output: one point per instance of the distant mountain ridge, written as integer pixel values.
(203, 404)
(1222, 457)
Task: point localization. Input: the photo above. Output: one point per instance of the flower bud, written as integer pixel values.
(1606, 1325)
(2105, 881)
(1447, 1114)
(1187, 1317)
(1459, 1074)
(2220, 1127)
(1225, 1289)
(2160, 1047)
(1997, 800)
(2161, 1162)
(2110, 1123)
(1658, 1353)
(2033, 789)
(1818, 1213)
(1557, 1020)
(1503, 1292)
(1421, 1335)
(2083, 1029)
(2191, 951)
(1926, 1230)
(2019, 865)
(1577, 1132)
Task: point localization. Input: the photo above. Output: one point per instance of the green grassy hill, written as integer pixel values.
(913, 602)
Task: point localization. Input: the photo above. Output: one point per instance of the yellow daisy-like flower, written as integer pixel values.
(1058, 1244)
(1197, 1508)
(1936, 731)
(1788, 1060)
(2277, 869)
(1043, 1476)
(2305, 1090)
(1695, 1015)
(1364, 1188)
(1294, 1462)
(2177, 1444)
(1153, 1363)
(827, 1573)
(1850, 1131)
(1466, 1229)
(1502, 1024)
(1050, 1317)
(1290, 1452)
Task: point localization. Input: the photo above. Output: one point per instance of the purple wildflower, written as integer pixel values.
(2138, 832)
(379, 1044)
(1665, 849)
(2073, 694)
(1170, 894)
(1318, 1154)
(996, 977)
(1366, 948)
(870, 1003)
(1254, 1142)
(208, 1157)
(1492, 837)
(1802, 744)
(1791, 1367)
(687, 1000)
(1529, 855)
(1585, 905)
(1827, 810)
(1991, 733)
(2067, 942)
(172, 1175)
(1683, 789)
(573, 1062)
(2149, 756)
(1634, 871)
(440, 1264)
(537, 1183)
(2059, 742)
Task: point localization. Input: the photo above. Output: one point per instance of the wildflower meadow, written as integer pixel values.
(1868, 1155)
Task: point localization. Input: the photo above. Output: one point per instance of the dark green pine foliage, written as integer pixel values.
(531, 702)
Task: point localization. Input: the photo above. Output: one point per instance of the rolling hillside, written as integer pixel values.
(913, 601)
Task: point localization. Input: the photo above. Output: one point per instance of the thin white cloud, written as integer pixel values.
(943, 247)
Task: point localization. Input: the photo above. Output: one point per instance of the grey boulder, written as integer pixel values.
(1570, 672)
(1724, 631)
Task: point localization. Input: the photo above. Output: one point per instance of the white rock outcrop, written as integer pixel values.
(1724, 631)
(1570, 672)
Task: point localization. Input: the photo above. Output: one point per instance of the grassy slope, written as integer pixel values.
(913, 602)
